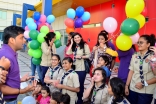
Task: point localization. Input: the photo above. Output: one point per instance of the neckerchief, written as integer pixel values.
(52, 70)
(120, 100)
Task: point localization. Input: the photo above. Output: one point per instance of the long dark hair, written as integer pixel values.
(49, 37)
(70, 60)
(69, 41)
(118, 89)
(59, 59)
(81, 44)
(105, 35)
(47, 89)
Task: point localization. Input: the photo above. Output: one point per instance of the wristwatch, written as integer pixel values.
(145, 83)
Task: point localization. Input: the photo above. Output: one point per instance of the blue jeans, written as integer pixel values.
(12, 102)
(43, 71)
(33, 69)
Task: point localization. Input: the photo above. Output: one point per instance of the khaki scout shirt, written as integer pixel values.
(71, 80)
(56, 75)
(79, 63)
(147, 72)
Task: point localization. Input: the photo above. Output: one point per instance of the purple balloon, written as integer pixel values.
(78, 23)
(38, 22)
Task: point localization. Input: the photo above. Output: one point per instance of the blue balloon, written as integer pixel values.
(37, 16)
(78, 23)
(29, 100)
(71, 13)
(79, 11)
(32, 26)
(50, 18)
(85, 16)
(29, 20)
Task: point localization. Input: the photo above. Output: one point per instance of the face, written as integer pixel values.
(101, 61)
(142, 44)
(55, 61)
(110, 90)
(52, 40)
(66, 65)
(98, 76)
(44, 93)
(101, 39)
(52, 101)
(77, 39)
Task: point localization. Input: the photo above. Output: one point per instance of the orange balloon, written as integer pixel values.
(68, 30)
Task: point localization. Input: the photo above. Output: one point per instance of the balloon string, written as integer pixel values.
(113, 36)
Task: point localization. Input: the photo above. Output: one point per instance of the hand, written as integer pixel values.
(95, 48)
(139, 85)
(5, 62)
(71, 41)
(55, 82)
(51, 42)
(83, 57)
(152, 48)
(126, 91)
(78, 57)
(26, 77)
(31, 87)
(92, 81)
(60, 86)
(3, 74)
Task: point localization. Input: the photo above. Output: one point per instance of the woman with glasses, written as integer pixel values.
(80, 51)
(141, 78)
(48, 49)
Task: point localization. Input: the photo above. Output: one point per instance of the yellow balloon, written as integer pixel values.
(141, 19)
(124, 42)
(134, 7)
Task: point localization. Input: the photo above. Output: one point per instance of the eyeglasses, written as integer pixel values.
(140, 42)
(54, 59)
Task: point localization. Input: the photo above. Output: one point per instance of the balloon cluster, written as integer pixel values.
(132, 24)
(36, 29)
(76, 19)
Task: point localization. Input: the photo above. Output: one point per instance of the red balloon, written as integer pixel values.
(69, 22)
(144, 12)
(85, 23)
(51, 31)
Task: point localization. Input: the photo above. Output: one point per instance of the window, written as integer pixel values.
(3, 15)
(1, 35)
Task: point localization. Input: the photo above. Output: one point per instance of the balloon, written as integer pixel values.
(29, 20)
(58, 35)
(134, 7)
(44, 29)
(68, 30)
(57, 43)
(38, 23)
(36, 61)
(141, 19)
(124, 42)
(37, 53)
(71, 13)
(50, 18)
(78, 23)
(32, 26)
(144, 12)
(33, 34)
(34, 44)
(47, 24)
(42, 18)
(29, 100)
(28, 45)
(85, 16)
(29, 39)
(26, 34)
(110, 24)
(79, 11)
(51, 31)
(30, 52)
(135, 38)
(129, 26)
(69, 22)
(26, 28)
(40, 37)
(86, 22)
(37, 16)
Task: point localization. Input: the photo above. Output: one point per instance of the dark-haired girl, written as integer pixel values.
(69, 82)
(48, 49)
(116, 88)
(141, 78)
(54, 73)
(45, 95)
(81, 51)
(97, 92)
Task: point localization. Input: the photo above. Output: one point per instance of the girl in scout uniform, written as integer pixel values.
(69, 82)
(141, 79)
(54, 73)
(97, 93)
(80, 51)
(116, 88)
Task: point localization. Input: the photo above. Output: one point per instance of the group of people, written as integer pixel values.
(62, 81)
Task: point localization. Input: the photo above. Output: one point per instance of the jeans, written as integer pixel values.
(33, 69)
(12, 102)
(43, 72)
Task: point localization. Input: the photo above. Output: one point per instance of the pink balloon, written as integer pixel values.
(42, 18)
(26, 34)
(135, 38)
(110, 24)
(51, 31)
(47, 24)
(26, 28)
(69, 22)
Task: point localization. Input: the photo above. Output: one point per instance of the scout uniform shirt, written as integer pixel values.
(70, 80)
(124, 101)
(54, 74)
(147, 73)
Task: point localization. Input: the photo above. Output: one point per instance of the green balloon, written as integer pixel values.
(30, 52)
(33, 34)
(28, 45)
(34, 44)
(57, 43)
(37, 53)
(40, 37)
(58, 35)
(36, 61)
(44, 29)
(130, 26)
